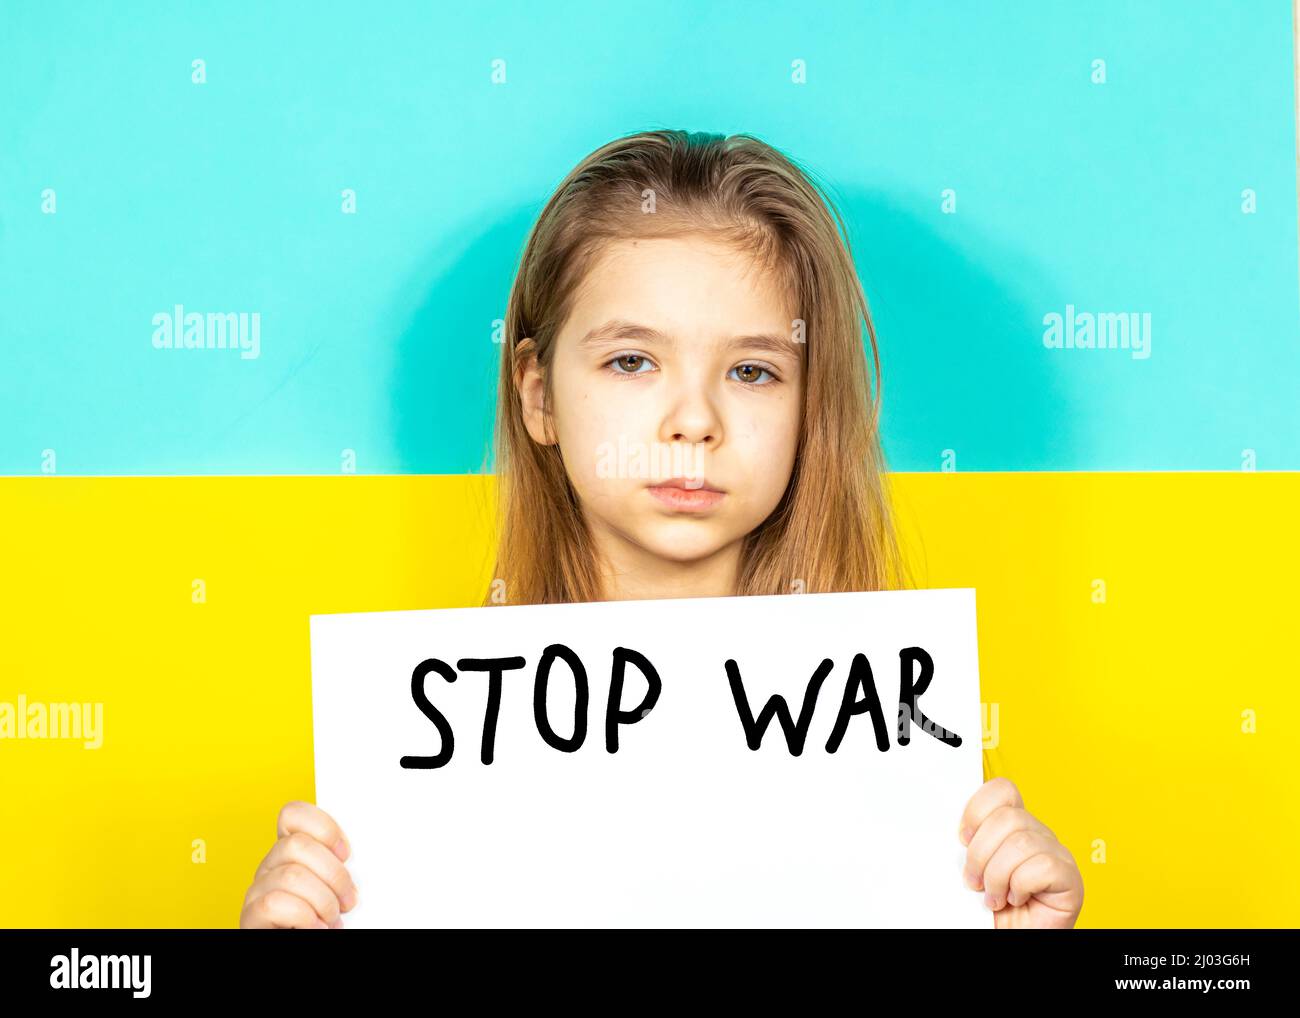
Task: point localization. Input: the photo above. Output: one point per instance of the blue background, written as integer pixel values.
(377, 327)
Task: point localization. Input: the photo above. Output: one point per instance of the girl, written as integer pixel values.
(687, 306)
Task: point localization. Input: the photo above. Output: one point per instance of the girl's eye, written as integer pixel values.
(629, 364)
(752, 374)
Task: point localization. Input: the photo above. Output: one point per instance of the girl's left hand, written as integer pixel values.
(1029, 879)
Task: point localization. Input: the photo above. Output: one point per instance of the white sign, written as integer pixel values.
(797, 760)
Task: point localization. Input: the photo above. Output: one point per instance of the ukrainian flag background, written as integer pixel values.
(363, 181)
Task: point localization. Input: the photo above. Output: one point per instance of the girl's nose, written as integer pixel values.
(693, 418)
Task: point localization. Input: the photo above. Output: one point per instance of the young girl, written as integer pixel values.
(689, 302)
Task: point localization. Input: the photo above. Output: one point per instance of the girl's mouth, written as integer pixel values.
(686, 494)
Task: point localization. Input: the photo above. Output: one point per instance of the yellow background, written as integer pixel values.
(1121, 722)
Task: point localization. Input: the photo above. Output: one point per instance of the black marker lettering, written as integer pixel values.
(614, 716)
(776, 706)
(908, 693)
(580, 701)
(494, 666)
(432, 713)
(860, 675)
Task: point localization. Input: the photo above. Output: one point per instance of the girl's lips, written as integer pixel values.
(686, 499)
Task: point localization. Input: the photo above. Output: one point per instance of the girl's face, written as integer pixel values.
(675, 400)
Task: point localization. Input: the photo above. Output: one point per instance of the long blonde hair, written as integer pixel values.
(832, 529)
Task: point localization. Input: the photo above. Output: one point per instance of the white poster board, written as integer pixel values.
(684, 825)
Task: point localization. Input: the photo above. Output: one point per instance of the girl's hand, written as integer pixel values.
(302, 883)
(1029, 879)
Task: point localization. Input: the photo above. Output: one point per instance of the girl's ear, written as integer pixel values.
(530, 383)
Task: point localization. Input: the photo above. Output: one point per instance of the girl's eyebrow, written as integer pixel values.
(619, 330)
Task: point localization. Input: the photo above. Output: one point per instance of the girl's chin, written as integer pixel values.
(682, 544)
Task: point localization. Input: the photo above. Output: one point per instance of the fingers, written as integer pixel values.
(279, 910)
(304, 818)
(299, 849)
(302, 883)
(1045, 875)
(990, 796)
(297, 880)
(1016, 850)
(1017, 861)
(997, 828)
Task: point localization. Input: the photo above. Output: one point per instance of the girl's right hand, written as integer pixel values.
(302, 883)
